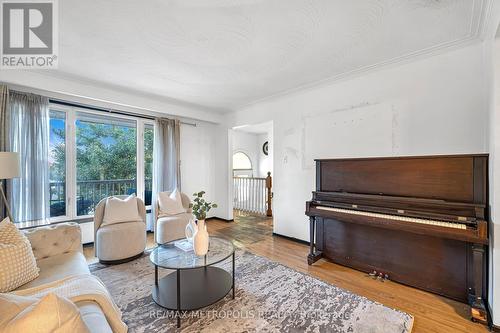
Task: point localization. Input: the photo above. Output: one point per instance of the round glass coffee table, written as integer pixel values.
(196, 283)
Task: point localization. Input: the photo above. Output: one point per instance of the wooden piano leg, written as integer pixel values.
(478, 310)
(313, 255)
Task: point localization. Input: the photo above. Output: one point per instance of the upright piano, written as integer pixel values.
(420, 221)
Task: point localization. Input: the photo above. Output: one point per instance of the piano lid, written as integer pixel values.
(453, 178)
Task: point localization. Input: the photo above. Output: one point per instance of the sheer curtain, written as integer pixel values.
(29, 136)
(166, 159)
(4, 130)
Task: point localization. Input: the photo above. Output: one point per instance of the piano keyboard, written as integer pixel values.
(396, 218)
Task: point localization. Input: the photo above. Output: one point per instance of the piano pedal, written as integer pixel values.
(382, 277)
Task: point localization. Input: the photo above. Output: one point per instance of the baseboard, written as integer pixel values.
(293, 239)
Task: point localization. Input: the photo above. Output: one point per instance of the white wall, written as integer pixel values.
(265, 161)
(494, 166)
(198, 160)
(436, 105)
(224, 173)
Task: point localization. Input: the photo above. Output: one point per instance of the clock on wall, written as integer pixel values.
(265, 148)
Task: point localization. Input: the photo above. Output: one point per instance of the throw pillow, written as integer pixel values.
(170, 204)
(11, 305)
(51, 313)
(17, 262)
(121, 210)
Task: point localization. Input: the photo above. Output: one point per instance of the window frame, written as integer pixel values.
(65, 217)
(235, 170)
(248, 157)
(142, 165)
(71, 179)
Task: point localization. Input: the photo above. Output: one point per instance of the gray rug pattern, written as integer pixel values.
(270, 297)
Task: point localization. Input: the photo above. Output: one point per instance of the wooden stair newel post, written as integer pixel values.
(269, 185)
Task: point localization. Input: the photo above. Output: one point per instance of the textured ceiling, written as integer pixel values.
(225, 54)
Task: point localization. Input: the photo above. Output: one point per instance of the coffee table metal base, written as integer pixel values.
(195, 289)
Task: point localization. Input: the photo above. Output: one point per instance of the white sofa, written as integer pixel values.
(59, 254)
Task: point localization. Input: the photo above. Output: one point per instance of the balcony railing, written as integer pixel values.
(90, 192)
(253, 195)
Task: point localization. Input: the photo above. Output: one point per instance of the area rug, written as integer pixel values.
(270, 297)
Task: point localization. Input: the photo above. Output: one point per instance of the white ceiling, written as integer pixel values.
(225, 54)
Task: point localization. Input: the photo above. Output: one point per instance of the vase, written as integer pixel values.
(190, 229)
(200, 238)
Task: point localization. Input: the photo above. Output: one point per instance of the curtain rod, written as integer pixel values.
(95, 108)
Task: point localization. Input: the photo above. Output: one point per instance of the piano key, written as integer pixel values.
(396, 217)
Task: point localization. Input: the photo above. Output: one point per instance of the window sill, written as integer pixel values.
(45, 222)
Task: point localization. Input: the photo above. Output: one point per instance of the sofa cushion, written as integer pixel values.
(11, 305)
(59, 267)
(54, 239)
(17, 262)
(170, 203)
(120, 241)
(121, 210)
(170, 228)
(51, 313)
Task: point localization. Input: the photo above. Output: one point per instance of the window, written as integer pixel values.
(57, 161)
(106, 152)
(242, 165)
(148, 163)
(94, 155)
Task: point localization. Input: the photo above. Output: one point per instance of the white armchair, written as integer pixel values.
(120, 242)
(171, 227)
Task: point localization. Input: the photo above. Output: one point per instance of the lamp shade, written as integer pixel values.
(9, 165)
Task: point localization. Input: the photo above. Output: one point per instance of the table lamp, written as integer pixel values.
(9, 168)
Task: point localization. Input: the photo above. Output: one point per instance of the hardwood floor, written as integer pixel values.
(432, 313)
